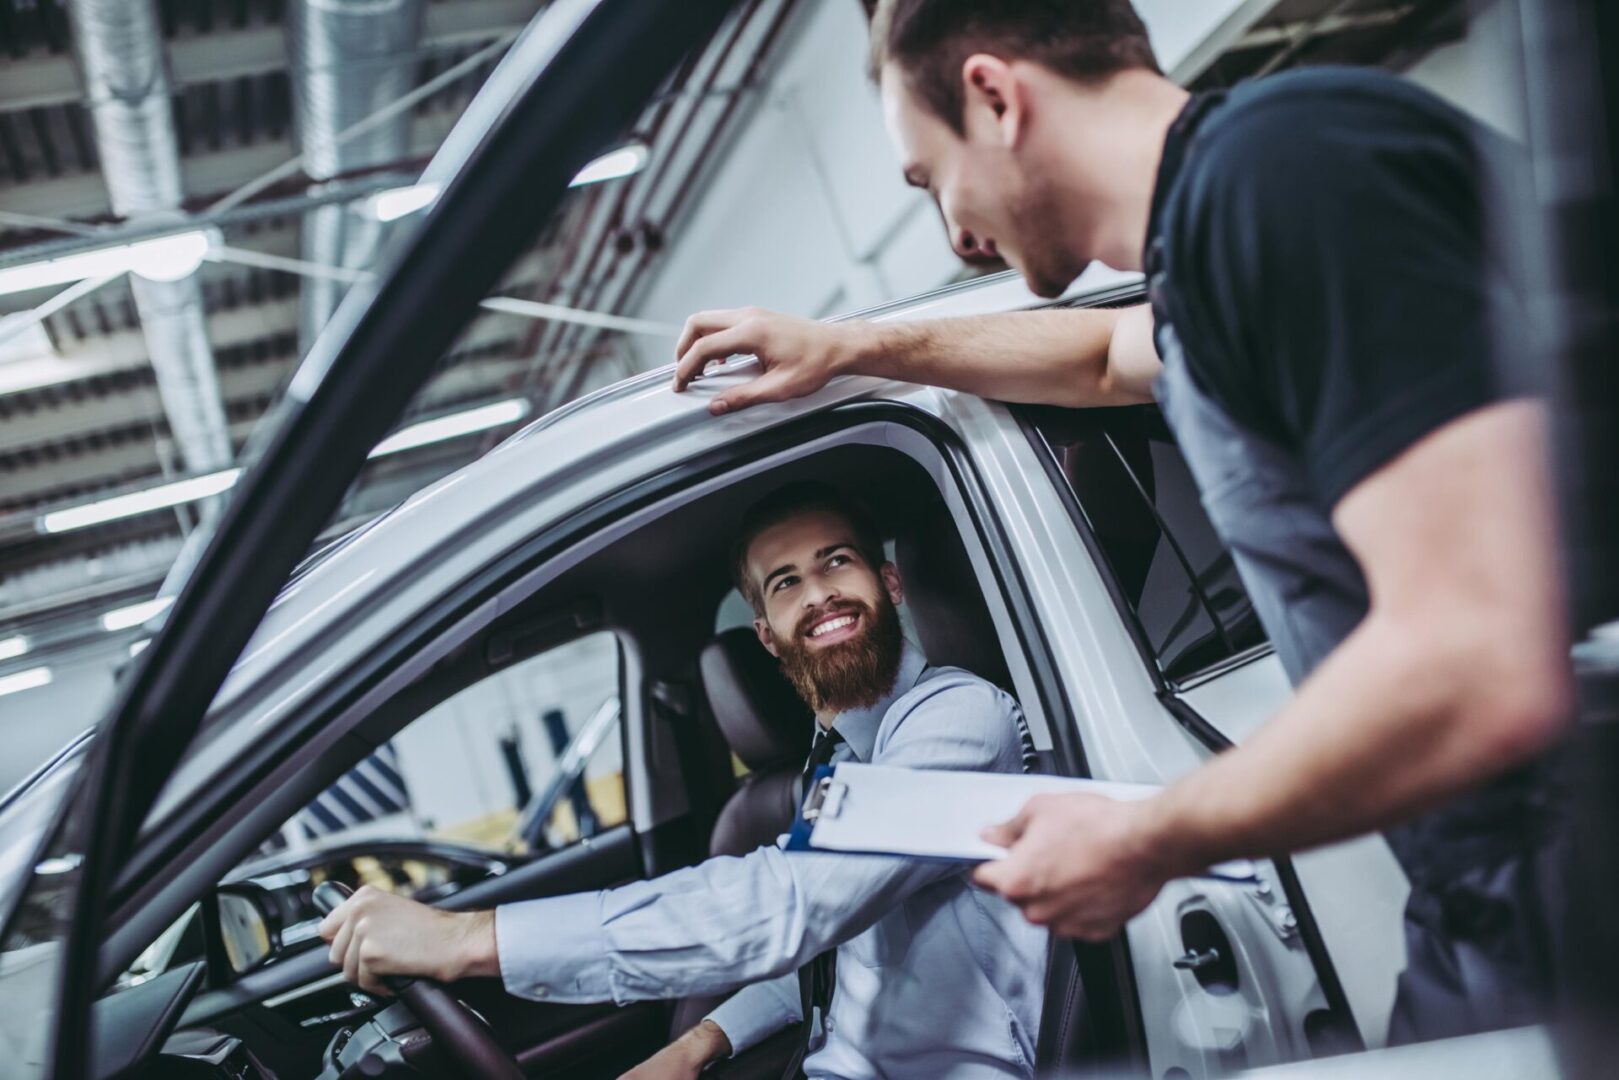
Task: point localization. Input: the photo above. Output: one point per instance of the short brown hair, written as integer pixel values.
(786, 503)
(929, 40)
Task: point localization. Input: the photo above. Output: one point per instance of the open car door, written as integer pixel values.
(574, 80)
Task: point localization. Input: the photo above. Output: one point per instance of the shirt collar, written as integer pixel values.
(859, 726)
(1192, 114)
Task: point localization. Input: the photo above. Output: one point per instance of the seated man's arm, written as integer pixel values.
(733, 921)
(754, 1013)
(705, 929)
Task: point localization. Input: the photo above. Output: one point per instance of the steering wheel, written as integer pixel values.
(452, 1025)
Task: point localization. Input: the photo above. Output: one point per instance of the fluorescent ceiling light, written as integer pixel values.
(395, 203)
(24, 680)
(398, 202)
(625, 161)
(201, 487)
(166, 258)
(138, 502)
(453, 426)
(135, 614)
(22, 339)
(13, 647)
(138, 647)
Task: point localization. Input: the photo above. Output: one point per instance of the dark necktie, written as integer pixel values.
(816, 978)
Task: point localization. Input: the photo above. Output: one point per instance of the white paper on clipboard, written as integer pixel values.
(939, 814)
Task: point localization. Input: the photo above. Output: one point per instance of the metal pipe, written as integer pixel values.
(128, 96)
(352, 61)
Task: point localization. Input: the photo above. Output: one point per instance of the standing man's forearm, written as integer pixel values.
(1391, 725)
(1036, 357)
(1067, 357)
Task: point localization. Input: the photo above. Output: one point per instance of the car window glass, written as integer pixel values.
(524, 762)
(1141, 504)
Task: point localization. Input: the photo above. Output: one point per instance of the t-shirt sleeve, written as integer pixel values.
(1341, 257)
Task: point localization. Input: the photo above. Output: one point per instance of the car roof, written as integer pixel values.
(353, 570)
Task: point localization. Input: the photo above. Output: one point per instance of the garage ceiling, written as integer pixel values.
(83, 412)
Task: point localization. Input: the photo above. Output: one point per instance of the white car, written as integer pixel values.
(1063, 554)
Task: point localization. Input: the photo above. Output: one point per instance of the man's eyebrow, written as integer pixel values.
(791, 568)
(777, 572)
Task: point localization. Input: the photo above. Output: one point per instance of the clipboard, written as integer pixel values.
(937, 814)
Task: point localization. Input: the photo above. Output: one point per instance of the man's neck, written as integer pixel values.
(1142, 107)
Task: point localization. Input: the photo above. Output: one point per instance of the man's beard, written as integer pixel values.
(853, 674)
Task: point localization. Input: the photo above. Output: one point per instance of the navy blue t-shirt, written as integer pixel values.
(1339, 284)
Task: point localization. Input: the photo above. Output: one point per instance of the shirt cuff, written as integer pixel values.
(754, 1013)
(554, 949)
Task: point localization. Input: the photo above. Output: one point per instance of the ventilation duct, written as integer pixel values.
(129, 98)
(350, 59)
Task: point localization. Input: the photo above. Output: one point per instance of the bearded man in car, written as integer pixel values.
(901, 966)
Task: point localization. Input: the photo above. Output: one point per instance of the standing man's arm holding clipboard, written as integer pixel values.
(1454, 672)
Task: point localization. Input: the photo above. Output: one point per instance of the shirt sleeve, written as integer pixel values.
(1345, 278)
(754, 1013)
(729, 922)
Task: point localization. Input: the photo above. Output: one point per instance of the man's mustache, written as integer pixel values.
(847, 607)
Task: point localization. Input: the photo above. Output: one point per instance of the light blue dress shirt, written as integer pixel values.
(934, 977)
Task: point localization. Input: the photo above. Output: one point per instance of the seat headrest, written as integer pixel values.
(756, 708)
(953, 625)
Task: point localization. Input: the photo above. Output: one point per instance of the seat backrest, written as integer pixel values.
(770, 729)
(953, 624)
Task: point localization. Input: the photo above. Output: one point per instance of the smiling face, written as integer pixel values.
(998, 194)
(826, 612)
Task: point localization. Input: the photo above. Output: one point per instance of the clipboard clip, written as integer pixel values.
(825, 797)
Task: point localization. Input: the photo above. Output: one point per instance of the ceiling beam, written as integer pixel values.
(84, 195)
(42, 80)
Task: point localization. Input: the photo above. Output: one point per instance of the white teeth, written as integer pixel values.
(832, 624)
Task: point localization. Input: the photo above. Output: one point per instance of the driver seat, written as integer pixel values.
(770, 729)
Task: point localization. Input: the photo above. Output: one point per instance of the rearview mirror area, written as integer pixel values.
(249, 925)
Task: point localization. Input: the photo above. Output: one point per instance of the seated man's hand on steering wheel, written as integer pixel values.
(375, 934)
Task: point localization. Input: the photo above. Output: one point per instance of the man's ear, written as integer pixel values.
(892, 585)
(993, 98)
(762, 627)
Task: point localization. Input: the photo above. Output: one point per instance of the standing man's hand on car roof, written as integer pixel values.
(796, 356)
(1063, 356)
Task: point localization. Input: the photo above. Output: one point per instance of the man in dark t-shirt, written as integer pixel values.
(1327, 300)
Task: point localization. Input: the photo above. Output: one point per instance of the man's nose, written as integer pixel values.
(966, 244)
(819, 592)
(974, 248)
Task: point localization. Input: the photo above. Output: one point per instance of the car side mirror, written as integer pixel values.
(249, 925)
